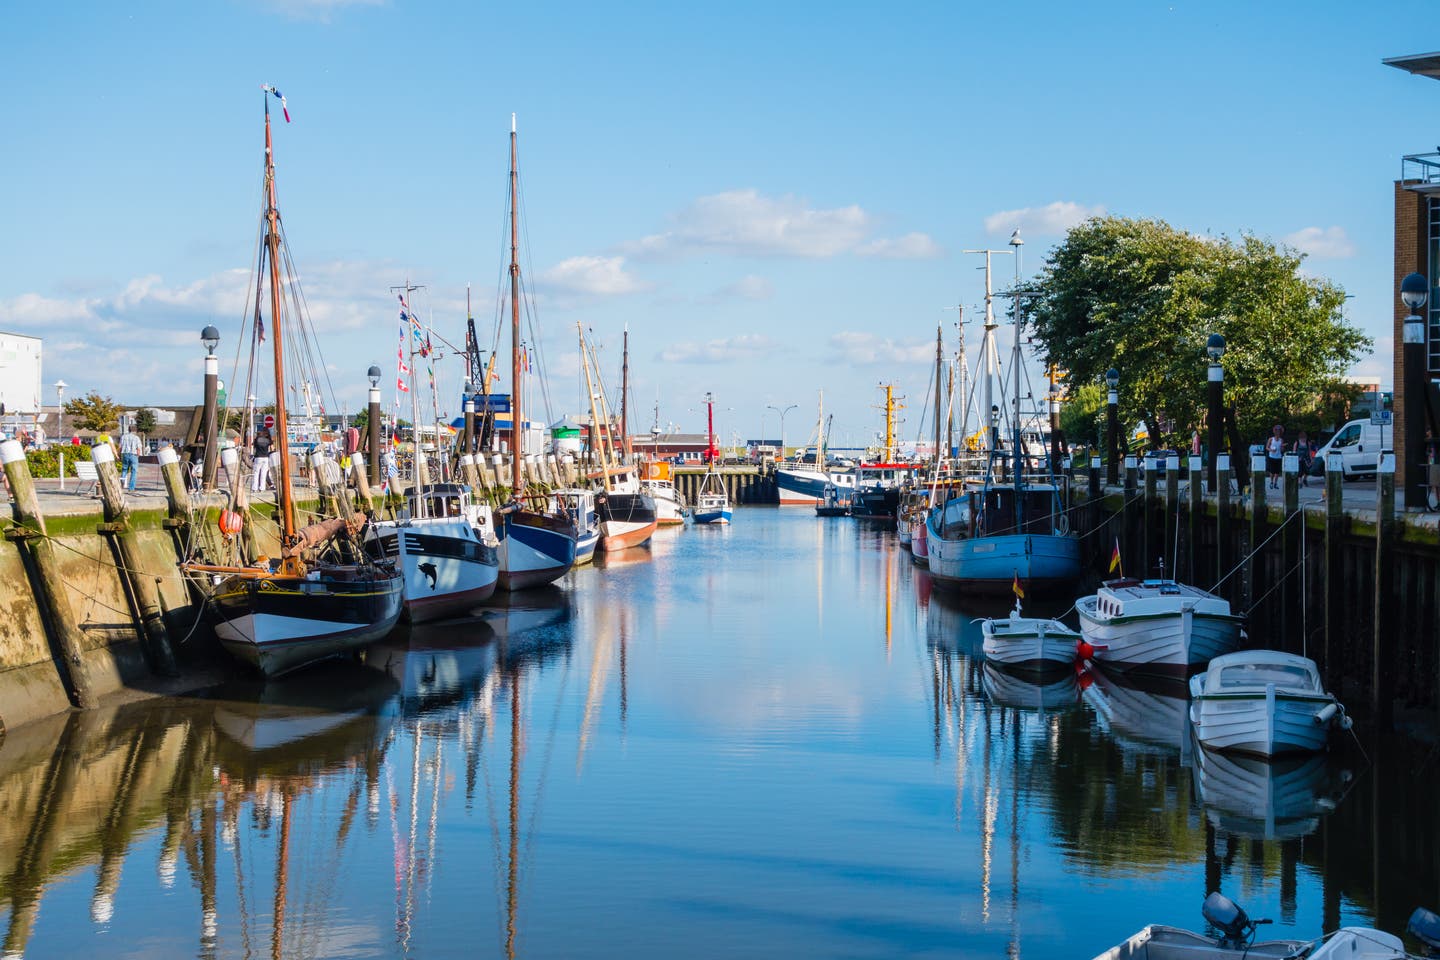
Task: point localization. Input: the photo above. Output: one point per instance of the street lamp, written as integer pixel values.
(210, 337)
(1112, 425)
(1215, 349)
(60, 386)
(1414, 291)
(782, 426)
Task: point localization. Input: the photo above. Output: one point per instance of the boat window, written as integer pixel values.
(1259, 674)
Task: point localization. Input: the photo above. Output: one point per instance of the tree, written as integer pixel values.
(145, 422)
(1082, 416)
(93, 412)
(1143, 297)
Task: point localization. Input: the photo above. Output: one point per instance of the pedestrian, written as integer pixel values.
(129, 458)
(260, 451)
(1274, 454)
(1306, 453)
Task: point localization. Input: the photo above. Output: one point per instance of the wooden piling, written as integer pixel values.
(332, 497)
(1195, 510)
(45, 579)
(1222, 523)
(239, 499)
(1382, 666)
(142, 589)
(1171, 537)
(1330, 667)
(362, 481)
(1254, 566)
(1152, 479)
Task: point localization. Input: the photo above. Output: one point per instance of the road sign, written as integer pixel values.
(269, 421)
(1382, 418)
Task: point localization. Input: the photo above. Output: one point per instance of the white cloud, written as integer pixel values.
(749, 287)
(591, 276)
(743, 347)
(868, 349)
(912, 246)
(1050, 220)
(1325, 242)
(744, 223)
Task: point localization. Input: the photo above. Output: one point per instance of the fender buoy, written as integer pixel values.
(230, 522)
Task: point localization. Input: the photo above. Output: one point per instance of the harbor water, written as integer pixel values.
(773, 739)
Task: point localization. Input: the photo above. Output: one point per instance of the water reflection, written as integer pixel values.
(1268, 800)
(1039, 693)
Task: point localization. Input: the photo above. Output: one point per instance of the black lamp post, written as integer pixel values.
(210, 338)
(1112, 425)
(1414, 291)
(372, 425)
(1215, 347)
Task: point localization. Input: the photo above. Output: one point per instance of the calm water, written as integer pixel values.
(772, 740)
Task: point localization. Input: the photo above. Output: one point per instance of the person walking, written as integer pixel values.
(1306, 453)
(1274, 454)
(260, 450)
(129, 458)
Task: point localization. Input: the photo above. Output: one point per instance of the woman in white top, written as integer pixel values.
(1274, 454)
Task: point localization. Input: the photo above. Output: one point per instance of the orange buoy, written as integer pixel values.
(230, 522)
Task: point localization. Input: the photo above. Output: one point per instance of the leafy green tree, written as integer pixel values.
(93, 412)
(145, 422)
(1144, 297)
(1082, 417)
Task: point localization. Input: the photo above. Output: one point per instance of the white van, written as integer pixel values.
(1359, 444)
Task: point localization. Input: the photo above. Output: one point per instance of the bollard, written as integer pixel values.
(1222, 520)
(1382, 664)
(1258, 519)
(44, 571)
(361, 476)
(1195, 510)
(1330, 666)
(142, 589)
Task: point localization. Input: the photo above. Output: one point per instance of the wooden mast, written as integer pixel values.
(939, 400)
(625, 397)
(515, 409)
(277, 339)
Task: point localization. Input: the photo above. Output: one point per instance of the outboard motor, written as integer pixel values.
(1425, 926)
(1228, 917)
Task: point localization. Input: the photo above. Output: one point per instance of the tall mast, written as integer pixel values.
(820, 440)
(515, 409)
(1015, 243)
(964, 378)
(710, 450)
(421, 468)
(625, 395)
(595, 414)
(277, 338)
(939, 399)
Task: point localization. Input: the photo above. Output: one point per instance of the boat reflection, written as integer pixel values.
(532, 624)
(1260, 800)
(1040, 693)
(437, 664)
(1142, 715)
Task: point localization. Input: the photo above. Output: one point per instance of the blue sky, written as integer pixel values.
(774, 197)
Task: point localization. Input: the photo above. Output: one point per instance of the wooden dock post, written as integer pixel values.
(1152, 480)
(1195, 510)
(1128, 524)
(239, 498)
(142, 589)
(1292, 572)
(45, 579)
(362, 480)
(1256, 562)
(1171, 538)
(1382, 666)
(1330, 666)
(1222, 523)
(332, 493)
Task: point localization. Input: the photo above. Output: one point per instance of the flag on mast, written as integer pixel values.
(284, 107)
(1115, 563)
(1018, 587)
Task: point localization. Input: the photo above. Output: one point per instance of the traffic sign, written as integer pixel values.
(1382, 418)
(269, 421)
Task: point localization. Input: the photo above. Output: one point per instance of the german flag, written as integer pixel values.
(1115, 559)
(1018, 587)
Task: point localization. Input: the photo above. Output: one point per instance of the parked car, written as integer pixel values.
(1359, 444)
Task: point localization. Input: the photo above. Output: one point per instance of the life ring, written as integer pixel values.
(1062, 524)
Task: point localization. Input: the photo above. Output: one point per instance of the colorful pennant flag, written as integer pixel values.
(284, 107)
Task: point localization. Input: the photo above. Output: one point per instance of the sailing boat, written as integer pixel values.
(535, 548)
(628, 516)
(1011, 526)
(447, 565)
(712, 505)
(323, 596)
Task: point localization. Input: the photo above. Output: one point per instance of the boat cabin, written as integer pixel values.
(440, 500)
(1002, 510)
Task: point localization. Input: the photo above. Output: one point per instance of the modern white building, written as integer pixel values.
(20, 373)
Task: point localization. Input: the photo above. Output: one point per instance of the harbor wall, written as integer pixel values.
(744, 485)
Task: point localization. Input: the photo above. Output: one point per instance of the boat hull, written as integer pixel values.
(279, 624)
(535, 549)
(807, 487)
(1028, 643)
(1167, 644)
(626, 520)
(1043, 562)
(448, 570)
(1268, 724)
(919, 542)
(718, 515)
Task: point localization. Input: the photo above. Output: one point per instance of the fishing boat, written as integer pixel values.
(803, 483)
(1011, 521)
(1263, 702)
(579, 504)
(1237, 941)
(1156, 626)
(536, 547)
(657, 479)
(834, 502)
(1028, 643)
(324, 595)
(448, 566)
(628, 515)
(712, 503)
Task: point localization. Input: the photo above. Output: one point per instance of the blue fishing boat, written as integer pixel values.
(712, 504)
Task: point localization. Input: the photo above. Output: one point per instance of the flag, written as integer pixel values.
(284, 107)
(1018, 587)
(403, 366)
(425, 346)
(406, 315)
(400, 385)
(1115, 559)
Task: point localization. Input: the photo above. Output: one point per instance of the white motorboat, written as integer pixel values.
(1156, 626)
(449, 567)
(580, 505)
(1237, 941)
(1030, 643)
(1263, 702)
